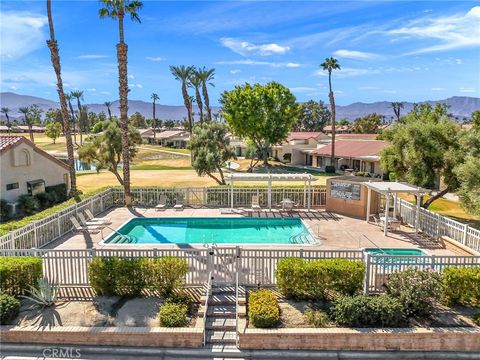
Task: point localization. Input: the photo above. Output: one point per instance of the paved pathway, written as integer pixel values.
(165, 151)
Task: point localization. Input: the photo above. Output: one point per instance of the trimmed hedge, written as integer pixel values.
(367, 311)
(317, 318)
(129, 277)
(17, 274)
(9, 308)
(319, 279)
(461, 285)
(173, 314)
(263, 310)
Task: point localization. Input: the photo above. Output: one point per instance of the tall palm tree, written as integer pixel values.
(26, 120)
(117, 9)
(196, 82)
(108, 104)
(5, 111)
(53, 46)
(182, 74)
(69, 97)
(206, 76)
(396, 106)
(154, 98)
(329, 65)
(79, 96)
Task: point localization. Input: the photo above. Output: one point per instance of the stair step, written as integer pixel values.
(223, 290)
(222, 310)
(222, 299)
(221, 323)
(221, 337)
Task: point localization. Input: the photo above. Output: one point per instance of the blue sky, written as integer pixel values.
(409, 51)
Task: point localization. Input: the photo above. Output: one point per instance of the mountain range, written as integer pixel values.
(459, 106)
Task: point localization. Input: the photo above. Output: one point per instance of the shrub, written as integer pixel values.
(17, 274)
(43, 200)
(180, 298)
(167, 274)
(416, 289)
(9, 308)
(476, 318)
(317, 318)
(367, 311)
(101, 273)
(263, 311)
(173, 315)
(27, 205)
(319, 279)
(329, 169)
(4, 212)
(461, 285)
(57, 193)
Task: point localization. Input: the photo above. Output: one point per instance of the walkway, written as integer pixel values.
(165, 151)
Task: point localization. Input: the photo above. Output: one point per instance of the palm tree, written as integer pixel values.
(116, 9)
(196, 82)
(26, 120)
(154, 97)
(108, 104)
(5, 111)
(206, 76)
(69, 97)
(329, 65)
(79, 96)
(182, 73)
(53, 46)
(396, 106)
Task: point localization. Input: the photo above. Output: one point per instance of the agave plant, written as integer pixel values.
(44, 294)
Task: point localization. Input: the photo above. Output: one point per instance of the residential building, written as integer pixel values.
(238, 144)
(26, 169)
(292, 149)
(175, 138)
(339, 129)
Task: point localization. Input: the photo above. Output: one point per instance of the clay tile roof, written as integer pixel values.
(303, 135)
(6, 142)
(353, 148)
(357, 136)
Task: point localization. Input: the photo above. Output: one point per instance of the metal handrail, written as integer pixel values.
(237, 337)
(208, 292)
(116, 232)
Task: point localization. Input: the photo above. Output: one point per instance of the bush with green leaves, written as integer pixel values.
(461, 285)
(317, 318)
(27, 205)
(329, 169)
(9, 308)
(17, 274)
(367, 311)
(319, 279)
(167, 274)
(173, 314)
(417, 290)
(476, 318)
(4, 211)
(263, 310)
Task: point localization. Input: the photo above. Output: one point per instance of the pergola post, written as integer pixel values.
(395, 205)
(369, 201)
(231, 192)
(270, 192)
(387, 205)
(417, 213)
(309, 192)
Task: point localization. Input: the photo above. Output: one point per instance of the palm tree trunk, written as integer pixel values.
(332, 109)
(199, 103)
(186, 101)
(122, 50)
(109, 114)
(207, 102)
(8, 123)
(30, 132)
(80, 120)
(72, 113)
(154, 122)
(52, 44)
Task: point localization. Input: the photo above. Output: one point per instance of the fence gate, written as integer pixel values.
(195, 197)
(224, 263)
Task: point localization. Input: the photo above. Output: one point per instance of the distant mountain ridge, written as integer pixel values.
(460, 107)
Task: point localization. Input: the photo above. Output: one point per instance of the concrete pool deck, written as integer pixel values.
(337, 232)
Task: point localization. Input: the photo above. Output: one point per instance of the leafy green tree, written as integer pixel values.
(253, 153)
(397, 108)
(264, 114)
(210, 149)
(475, 119)
(100, 126)
(105, 150)
(53, 115)
(53, 130)
(169, 124)
(369, 124)
(420, 149)
(313, 116)
(137, 120)
(343, 122)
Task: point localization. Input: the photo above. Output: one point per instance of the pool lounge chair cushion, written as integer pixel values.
(79, 227)
(179, 205)
(89, 215)
(89, 224)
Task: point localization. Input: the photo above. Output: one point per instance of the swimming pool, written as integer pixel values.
(212, 230)
(401, 252)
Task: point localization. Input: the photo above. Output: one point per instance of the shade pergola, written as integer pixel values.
(270, 178)
(387, 189)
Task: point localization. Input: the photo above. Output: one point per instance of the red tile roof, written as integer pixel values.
(337, 128)
(7, 142)
(352, 148)
(303, 135)
(356, 136)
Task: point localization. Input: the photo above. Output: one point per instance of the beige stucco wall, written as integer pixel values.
(13, 169)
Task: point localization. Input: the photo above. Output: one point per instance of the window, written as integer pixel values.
(65, 179)
(372, 168)
(12, 186)
(35, 187)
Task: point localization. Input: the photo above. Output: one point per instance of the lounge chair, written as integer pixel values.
(84, 228)
(162, 204)
(90, 217)
(178, 205)
(92, 224)
(255, 203)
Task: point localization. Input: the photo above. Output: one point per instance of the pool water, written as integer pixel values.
(385, 251)
(212, 230)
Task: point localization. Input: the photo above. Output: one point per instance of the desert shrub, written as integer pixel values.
(317, 318)
(167, 274)
(329, 169)
(367, 311)
(461, 285)
(180, 298)
(9, 308)
(416, 289)
(4, 212)
(263, 310)
(101, 273)
(27, 205)
(17, 274)
(319, 279)
(173, 314)
(476, 318)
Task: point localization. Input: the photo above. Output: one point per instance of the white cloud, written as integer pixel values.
(92, 56)
(451, 32)
(458, 61)
(437, 89)
(467, 90)
(349, 72)
(245, 48)
(140, 86)
(254, 62)
(105, 92)
(22, 33)
(356, 55)
(155, 58)
(235, 71)
(131, 76)
(13, 87)
(92, 90)
(390, 91)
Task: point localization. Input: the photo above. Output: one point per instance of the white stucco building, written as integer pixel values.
(27, 170)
